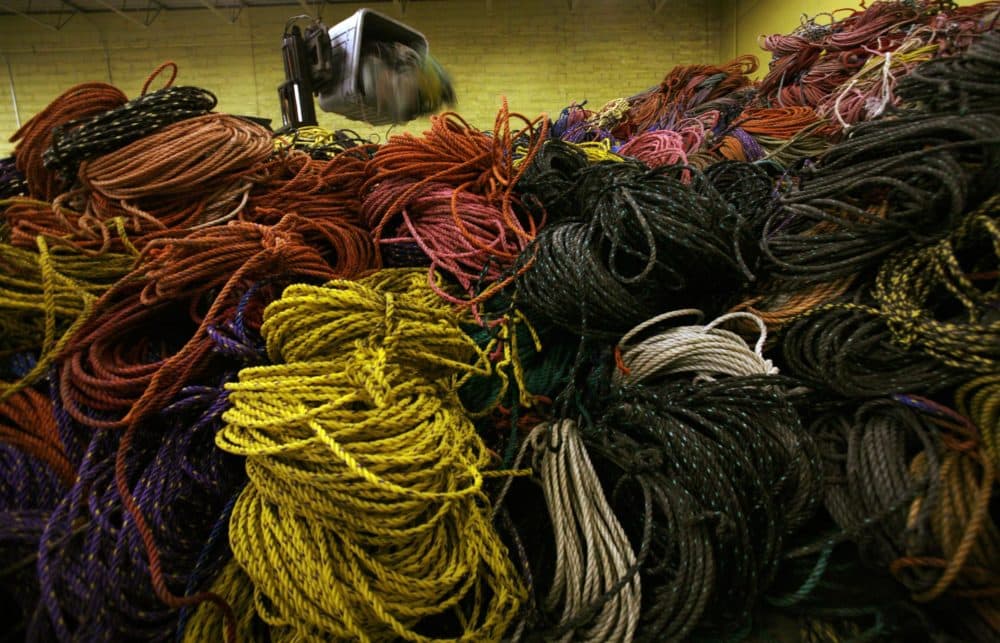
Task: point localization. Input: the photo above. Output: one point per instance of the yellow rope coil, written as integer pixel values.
(598, 151)
(45, 296)
(365, 513)
(306, 137)
(595, 151)
(908, 281)
(979, 400)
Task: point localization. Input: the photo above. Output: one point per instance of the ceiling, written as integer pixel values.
(55, 13)
(32, 7)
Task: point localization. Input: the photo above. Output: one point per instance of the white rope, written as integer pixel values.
(706, 351)
(593, 554)
(592, 551)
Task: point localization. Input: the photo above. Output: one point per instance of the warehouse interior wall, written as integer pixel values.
(540, 54)
(743, 22)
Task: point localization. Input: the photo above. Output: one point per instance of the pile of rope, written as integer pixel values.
(831, 74)
(718, 360)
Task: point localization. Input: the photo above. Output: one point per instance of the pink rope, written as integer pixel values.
(467, 239)
(664, 147)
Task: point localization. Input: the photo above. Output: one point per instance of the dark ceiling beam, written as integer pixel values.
(151, 14)
(215, 11)
(28, 16)
(110, 7)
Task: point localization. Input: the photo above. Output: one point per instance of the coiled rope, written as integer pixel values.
(596, 590)
(644, 240)
(35, 136)
(360, 458)
(49, 295)
(79, 140)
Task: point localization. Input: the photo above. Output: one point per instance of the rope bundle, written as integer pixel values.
(690, 461)
(873, 89)
(367, 467)
(704, 350)
(906, 291)
(12, 182)
(322, 198)
(461, 233)
(406, 201)
(28, 424)
(48, 296)
(851, 351)
(977, 400)
(316, 189)
(320, 143)
(965, 83)
(151, 187)
(115, 377)
(869, 481)
(156, 183)
(657, 437)
(682, 90)
(784, 134)
(35, 136)
(34, 474)
(595, 272)
(927, 171)
(178, 486)
(817, 60)
(663, 147)
(596, 570)
(60, 225)
(107, 368)
(965, 534)
(79, 140)
(549, 178)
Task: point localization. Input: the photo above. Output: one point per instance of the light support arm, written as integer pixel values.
(110, 7)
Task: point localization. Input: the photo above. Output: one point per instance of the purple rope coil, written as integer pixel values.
(92, 563)
(12, 182)
(752, 149)
(28, 491)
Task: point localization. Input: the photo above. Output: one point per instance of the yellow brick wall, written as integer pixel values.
(538, 53)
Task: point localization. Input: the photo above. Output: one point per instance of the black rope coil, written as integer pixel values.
(868, 482)
(709, 478)
(850, 351)
(643, 242)
(749, 190)
(547, 185)
(893, 183)
(80, 140)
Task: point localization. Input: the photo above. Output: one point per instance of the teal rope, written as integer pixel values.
(808, 586)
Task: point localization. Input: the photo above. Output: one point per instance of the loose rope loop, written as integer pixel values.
(705, 350)
(171, 65)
